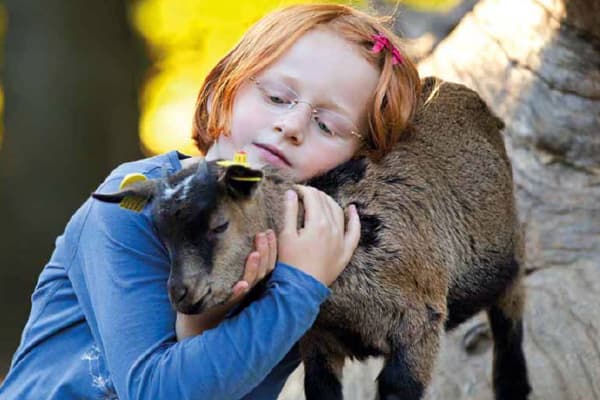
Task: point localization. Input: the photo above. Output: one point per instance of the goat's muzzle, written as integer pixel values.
(184, 297)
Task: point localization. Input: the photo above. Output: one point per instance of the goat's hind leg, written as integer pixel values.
(322, 371)
(407, 371)
(506, 321)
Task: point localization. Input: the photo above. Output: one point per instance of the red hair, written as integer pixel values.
(396, 94)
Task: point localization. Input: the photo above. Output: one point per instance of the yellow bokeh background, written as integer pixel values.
(185, 38)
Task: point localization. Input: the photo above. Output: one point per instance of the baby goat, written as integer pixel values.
(439, 242)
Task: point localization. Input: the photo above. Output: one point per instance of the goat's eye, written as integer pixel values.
(221, 228)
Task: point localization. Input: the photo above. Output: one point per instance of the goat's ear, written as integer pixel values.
(144, 190)
(241, 182)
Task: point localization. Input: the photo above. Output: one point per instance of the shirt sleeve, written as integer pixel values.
(273, 384)
(120, 277)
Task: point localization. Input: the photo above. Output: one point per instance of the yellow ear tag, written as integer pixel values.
(240, 158)
(133, 203)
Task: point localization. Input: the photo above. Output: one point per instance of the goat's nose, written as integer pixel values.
(177, 291)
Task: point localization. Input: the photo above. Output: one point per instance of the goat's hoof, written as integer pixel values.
(477, 339)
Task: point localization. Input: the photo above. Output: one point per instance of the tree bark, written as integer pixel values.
(70, 73)
(537, 64)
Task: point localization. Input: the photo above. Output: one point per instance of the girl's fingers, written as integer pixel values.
(352, 235)
(252, 266)
(262, 246)
(326, 209)
(238, 291)
(272, 241)
(290, 225)
(336, 212)
(311, 203)
(260, 262)
(268, 253)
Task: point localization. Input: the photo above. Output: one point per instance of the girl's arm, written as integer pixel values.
(119, 274)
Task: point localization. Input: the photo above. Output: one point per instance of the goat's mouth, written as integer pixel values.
(198, 306)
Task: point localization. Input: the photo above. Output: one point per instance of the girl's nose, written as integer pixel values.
(295, 123)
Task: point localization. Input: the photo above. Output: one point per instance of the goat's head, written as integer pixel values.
(208, 218)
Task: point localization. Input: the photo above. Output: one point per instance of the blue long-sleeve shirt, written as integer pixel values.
(101, 325)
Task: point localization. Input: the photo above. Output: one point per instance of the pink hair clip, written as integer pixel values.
(382, 42)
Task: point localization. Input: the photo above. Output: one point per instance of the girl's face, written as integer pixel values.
(334, 85)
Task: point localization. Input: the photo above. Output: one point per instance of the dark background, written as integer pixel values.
(71, 72)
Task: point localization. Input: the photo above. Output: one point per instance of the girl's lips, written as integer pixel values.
(272, 156)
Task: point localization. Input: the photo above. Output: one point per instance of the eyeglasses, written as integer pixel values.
(279, 99)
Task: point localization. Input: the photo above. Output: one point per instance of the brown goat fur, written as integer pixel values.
(439, 242)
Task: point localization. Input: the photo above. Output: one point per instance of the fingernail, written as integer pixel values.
(290, 194)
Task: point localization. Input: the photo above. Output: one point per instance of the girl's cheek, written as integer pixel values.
(247, 122)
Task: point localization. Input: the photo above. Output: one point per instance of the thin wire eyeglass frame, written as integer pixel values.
(294, 102)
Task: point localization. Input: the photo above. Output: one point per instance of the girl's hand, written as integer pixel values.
(325, 245)
(258, 265)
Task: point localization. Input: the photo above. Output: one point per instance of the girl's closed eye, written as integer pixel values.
(277, 96)
(278, 100)
(275, 93)
(323, 126)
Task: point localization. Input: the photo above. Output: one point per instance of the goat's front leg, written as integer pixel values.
(408, 368)
(322, 371)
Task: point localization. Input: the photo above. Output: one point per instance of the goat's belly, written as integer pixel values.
(479, 288)
(360, 320)
(347, 341)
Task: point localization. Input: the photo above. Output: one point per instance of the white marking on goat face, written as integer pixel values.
(187, 184)
(169, 192)
(184, 184)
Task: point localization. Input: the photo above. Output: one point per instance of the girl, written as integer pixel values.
(306, 89)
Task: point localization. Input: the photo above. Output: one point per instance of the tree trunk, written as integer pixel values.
(537, 64)
(71, 115)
